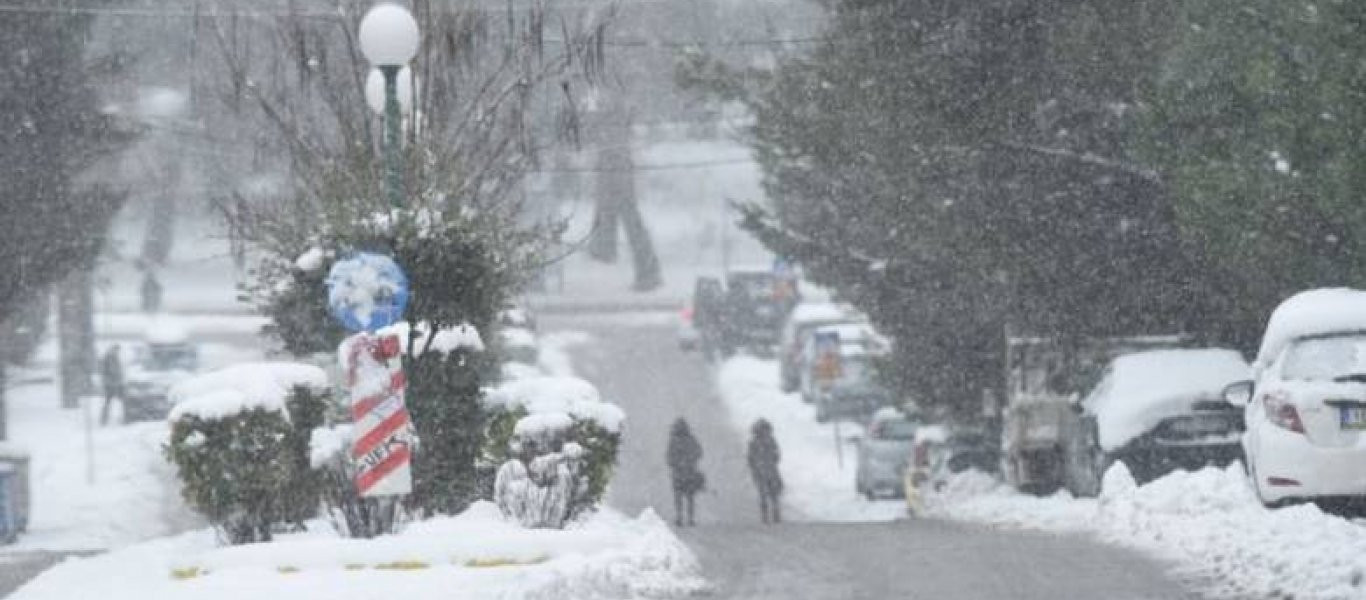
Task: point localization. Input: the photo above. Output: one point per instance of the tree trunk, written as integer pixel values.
(602, 246)
(643, 257)
(76, 337)
(160, 236)
(616, 198)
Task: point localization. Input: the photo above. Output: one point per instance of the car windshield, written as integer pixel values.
(1330, 358)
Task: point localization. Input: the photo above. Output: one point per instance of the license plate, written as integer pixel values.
(1353, 417)
(1201, 425)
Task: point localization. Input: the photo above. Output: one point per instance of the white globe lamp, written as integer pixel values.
(388, 35)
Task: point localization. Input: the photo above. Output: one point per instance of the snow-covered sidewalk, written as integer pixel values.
(131, 497)
(474, 555)
(1207, 523)
(818, 486)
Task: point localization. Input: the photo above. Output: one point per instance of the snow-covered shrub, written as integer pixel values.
(461, 267)
(542, 491)
(240, 445)
(562, 419)
(350, 514)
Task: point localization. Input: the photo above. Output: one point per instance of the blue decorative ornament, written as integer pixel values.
(367, 291)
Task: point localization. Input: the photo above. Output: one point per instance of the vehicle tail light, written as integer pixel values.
(1281, 412)
(922, 455)
(1282, 482)
(686, 313)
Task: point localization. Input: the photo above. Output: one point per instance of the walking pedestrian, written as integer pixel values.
(151, 293)
(683, 455)
(763, 467)
(111, 377)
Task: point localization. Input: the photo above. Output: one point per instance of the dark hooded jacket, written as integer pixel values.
(683, 456)
(764, 457)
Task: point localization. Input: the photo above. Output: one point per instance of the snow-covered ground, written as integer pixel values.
(819, 484)
(1207, 523)
(123, 497)
(114, 492)
(474, 555)
(477, 554)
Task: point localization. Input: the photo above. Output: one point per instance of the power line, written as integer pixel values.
(701, 164)
(192, 12)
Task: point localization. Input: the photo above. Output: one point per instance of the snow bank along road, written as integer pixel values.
(634, 360)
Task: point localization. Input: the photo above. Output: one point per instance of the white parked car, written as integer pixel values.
(1306, 404)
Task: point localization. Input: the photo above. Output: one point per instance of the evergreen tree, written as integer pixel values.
(1258, 121)
(52, 131)
(957, 167)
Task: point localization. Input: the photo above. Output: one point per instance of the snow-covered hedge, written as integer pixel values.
(240, 445)
(552, 422)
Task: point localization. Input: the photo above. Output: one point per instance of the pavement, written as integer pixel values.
(636, 363)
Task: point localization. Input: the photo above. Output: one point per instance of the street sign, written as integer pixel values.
(367, 291)
(826, 345)
(384, 437)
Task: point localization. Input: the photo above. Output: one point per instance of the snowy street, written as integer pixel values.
(634, 359)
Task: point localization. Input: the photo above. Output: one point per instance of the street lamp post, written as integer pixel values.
(389, 39)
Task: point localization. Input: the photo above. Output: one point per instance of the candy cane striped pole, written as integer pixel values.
(382, 447)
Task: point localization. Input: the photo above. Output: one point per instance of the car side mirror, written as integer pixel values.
(1239, 393)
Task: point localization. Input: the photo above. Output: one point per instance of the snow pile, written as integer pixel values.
(1207, 521)
(819, 484)
(1147, 387)
(477, 554)
(1312, 312)
(568, 396)
(238, 388)
(554, 355)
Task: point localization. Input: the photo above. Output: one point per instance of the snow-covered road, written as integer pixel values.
(1207, 525)
(820, 552)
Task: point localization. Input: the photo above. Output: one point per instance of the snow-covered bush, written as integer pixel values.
(559, 421)
(461, 267)
(240, 445)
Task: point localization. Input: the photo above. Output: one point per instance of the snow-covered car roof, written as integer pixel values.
(1144, 388)
(1312, 312)
(808, 312)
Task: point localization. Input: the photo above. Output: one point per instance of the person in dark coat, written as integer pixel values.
(151, 293)
(683, 455)
(111, 378)
(763, 467)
